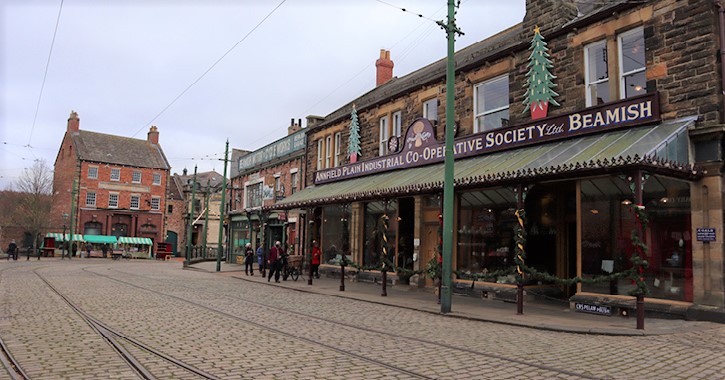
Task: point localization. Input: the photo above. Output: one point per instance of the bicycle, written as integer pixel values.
(292, 267)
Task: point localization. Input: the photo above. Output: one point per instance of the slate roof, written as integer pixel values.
(118, 150)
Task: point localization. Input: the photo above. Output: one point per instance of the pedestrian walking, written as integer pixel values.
(315, 262)
(273, 259)
(88, 250)
(249, 260)
(12, 250)
(73, 249)
(104, 249)
(260, 257)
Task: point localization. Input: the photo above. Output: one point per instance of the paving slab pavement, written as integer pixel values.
(538, 315)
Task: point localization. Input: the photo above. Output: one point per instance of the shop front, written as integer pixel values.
(577, 191)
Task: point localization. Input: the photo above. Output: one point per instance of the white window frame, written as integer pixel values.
(111, 198)
(93, 172)
(90, 199)
(134, 175)
(588, 83)
(117, 177)
(338, 148)
(397, 124)
(156, 203)
(328, 151)
(620, 62)
(426, 109)
(135, 198)
(320, 154)
(157, 179)
(477, 113)
(384, 135)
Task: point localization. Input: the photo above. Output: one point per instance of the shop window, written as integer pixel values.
(485, 235)
(608, 221)
(375, 213)
(492, 104)
(92, 228)
(333, 243)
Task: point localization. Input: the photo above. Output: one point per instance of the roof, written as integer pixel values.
(657, 148)
(118, 150)
(214, 179)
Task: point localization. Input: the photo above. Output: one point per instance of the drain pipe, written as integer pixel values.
(721, 11)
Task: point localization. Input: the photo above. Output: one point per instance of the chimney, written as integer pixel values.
(383, 68)
(293, 128)
(153, 135)
(74, 123)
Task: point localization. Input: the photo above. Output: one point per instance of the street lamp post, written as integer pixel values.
(65, 221)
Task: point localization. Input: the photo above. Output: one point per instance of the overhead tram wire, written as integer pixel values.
(405, 54)
(45, 76)
(210, 68)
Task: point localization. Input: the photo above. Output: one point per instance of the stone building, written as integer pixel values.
(261, 178)
(572, 115)
(111, 185)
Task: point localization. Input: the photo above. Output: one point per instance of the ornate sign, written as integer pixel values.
(419, 146)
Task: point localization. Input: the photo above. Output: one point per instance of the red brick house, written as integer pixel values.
(121, 183)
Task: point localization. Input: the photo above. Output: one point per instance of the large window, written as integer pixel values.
(115, 174)
(333, 244)
(430, 110)
(384, 135)
(254, 195)
(486, 223)
(91, 199)
(338, 148)
(492, 104)
(93, 172)
(320, 153)
(376, 217)
(632, 79)
(607, 224)
(135, 202)
(596, 62)
(113, 200)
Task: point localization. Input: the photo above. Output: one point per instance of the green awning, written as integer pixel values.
(134, 240)
(61, 237)
(100, 239)
(660, 147)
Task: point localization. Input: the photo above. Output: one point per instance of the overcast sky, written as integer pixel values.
(121, 64)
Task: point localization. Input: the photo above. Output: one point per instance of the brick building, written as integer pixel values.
(260, 179)
(120, 183)
(633, 92)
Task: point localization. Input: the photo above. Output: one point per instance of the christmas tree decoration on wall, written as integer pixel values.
(353, 142)
(539, 83)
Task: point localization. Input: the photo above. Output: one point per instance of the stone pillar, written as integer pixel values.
(708, 257)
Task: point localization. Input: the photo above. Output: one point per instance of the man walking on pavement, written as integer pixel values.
(273, 260)
(12, 250)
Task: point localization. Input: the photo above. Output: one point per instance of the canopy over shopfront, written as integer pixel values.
(661, 148)
(61, 237)
(134, 240)
(100, 239)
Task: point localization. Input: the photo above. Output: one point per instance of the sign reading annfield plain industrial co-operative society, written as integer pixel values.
(418, 147)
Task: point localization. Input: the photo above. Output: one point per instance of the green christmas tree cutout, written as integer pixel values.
(539, 83)
(353, 142)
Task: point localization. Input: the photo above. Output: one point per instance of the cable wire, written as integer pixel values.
(45, 75)
(210, 68)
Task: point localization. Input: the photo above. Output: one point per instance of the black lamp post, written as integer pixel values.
(62, 252)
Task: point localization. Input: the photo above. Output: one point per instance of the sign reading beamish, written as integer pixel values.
(419, 146)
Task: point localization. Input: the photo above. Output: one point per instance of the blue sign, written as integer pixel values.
(705, 234)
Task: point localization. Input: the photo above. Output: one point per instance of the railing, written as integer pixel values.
(200, 254)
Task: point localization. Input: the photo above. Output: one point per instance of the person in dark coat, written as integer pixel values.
(74, 249)
(12, 250)
(104, 249)
(273, 259)
(249, 260)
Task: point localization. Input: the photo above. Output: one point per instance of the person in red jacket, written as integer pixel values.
(316, 255)
(274, 259)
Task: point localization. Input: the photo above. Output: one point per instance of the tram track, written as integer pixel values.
(297, 314)
(11, 365)
(116, 340)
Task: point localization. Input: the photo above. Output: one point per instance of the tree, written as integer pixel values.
(35, 186)
(538, 80)
(353, 145)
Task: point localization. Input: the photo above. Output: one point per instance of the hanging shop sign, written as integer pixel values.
(419, 147)
(277, 149)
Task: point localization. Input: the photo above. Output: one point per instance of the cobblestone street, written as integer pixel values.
(216, 325)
